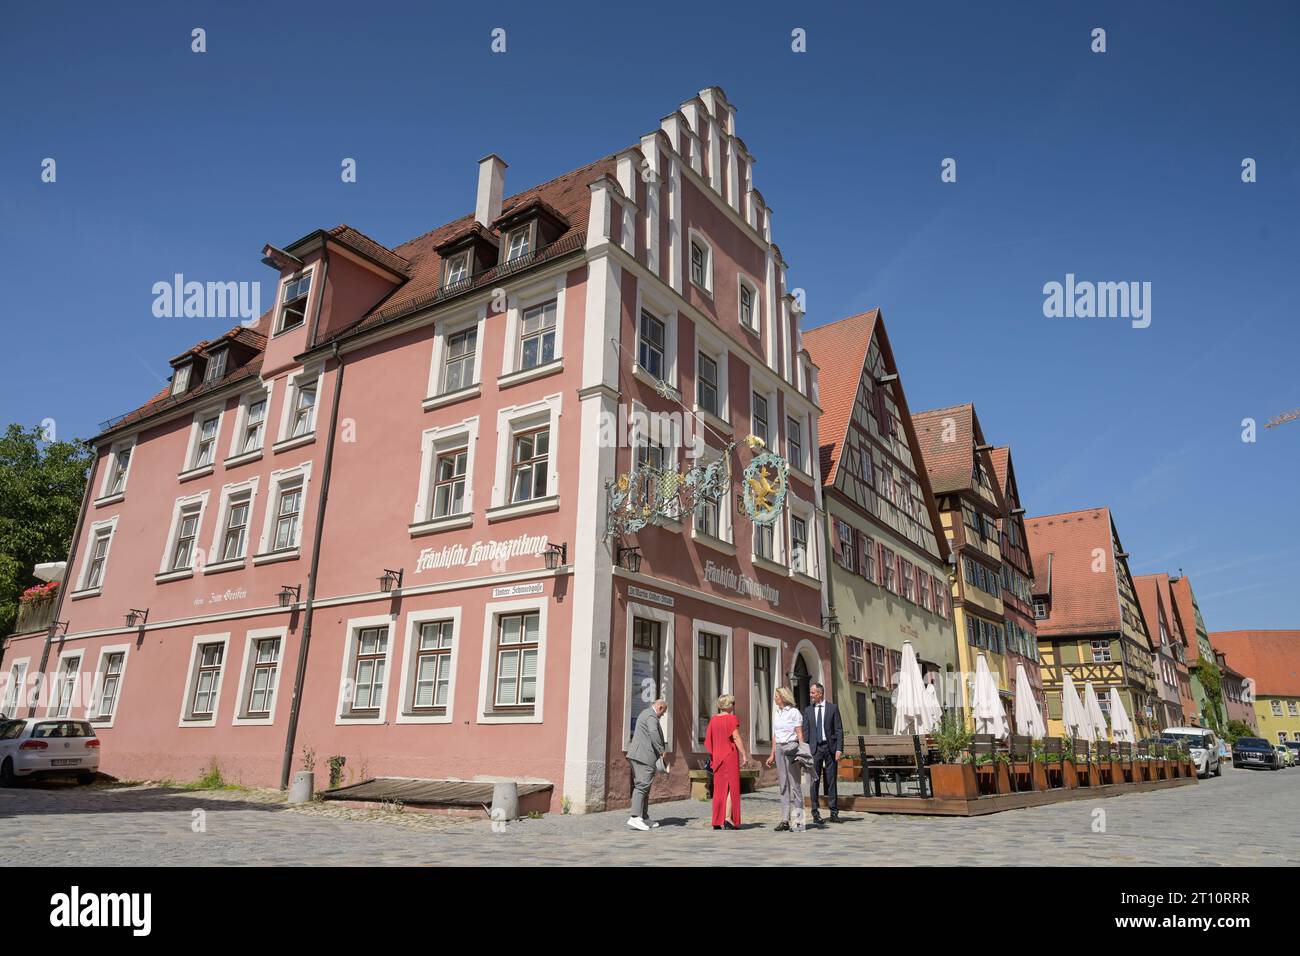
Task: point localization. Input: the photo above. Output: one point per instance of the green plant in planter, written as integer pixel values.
(1067, 749)
(952, 738)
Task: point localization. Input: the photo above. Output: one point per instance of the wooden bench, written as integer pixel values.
(1023, 767)
(1106, 763)
(1054, 765)
(894, 755)
(1084, 768)
(1124, 757)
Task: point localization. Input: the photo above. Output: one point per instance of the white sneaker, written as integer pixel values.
(636, 823)
(652, 823)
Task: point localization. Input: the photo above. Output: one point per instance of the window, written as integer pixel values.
(650, 348)
(254, 427)
(537, 336)
(13, 692)
(905, 572)
(216, 367)
(857, 661)
(759, 418)
(449, 482)
(207, 680)
(748, 312)
(368, 669)
(708, 680)
(65, 686)
(651, 453)
(187, 530)
(701, 265)
(798, 544)
(1291, 708)
(868, 563)
(181, 379)
(458, 367)
(887, 563)
(293, 302)
(287, 514)
(762, 697)
(304, 410)
(706, 388)
(98, 557)
(1040, 609)
(844, 534)
(764, 542)
(530, 465)
(457, 269)
(520, 244)
(110, 682)
(794, 442)
(706, 518)
(206, 448)
(518, 641)
(432, 667)
(1100, 651)
(119, 464)
(923, 583)
(234, 540)
(261, 686)
(1277, 707)
(647, 667)
(878, 676)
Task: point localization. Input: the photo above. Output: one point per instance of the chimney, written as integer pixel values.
(491, 184)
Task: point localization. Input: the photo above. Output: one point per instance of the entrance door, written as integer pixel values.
(800, 682)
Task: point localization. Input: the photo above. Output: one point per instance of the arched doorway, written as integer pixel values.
(800, 681)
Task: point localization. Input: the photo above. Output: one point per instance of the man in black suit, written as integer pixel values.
(824, 732)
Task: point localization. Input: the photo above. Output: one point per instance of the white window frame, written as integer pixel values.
(487, 714)
(508, 243)
(667, 618)
(215, 562)
(106, 493)
(52, 705)
(199, 641)
(251, 639)
(806, 510)
(96, 529)
(663, 309)
(658, 431)
(726, 513)
(15, 686)
(405, 712)
(745, 282)
(448, 263)
(778, 680)
(695, 237)
(436, 395)
(728, 669)
(191, 469)
(519, 302)
(716, 349)
(278, 480)
(246, 402)
(181, 377)
(515, 420)
(801, 466)
(92, 706)
(433, 442)
(197, 557)
(218, 359)
(315, 375)
(312, 293)
(354, 628)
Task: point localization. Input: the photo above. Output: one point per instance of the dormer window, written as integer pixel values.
(181, 380)
(457, 269)
(216, 367)
(293, 302)
(520, 244)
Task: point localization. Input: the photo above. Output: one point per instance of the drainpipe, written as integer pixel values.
(309, 610)
(63, 590)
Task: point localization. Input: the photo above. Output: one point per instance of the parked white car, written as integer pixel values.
(1203, 745)
(47, 746)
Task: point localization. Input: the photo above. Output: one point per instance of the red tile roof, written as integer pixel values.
(1185, 607)
(1270, 658)
(1082, 600)
(839, 350)
(368, 247)
(1150, 585)
(950, 463)
(1148, 595)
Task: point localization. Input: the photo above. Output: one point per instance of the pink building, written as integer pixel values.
(442, 410)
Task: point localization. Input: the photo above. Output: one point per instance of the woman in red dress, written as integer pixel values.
(726, 754)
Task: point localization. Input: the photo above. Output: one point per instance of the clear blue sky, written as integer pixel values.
(1116, 166)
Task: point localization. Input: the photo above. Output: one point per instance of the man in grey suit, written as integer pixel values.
(646, 753)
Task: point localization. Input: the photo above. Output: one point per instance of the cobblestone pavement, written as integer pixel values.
(1237, 819)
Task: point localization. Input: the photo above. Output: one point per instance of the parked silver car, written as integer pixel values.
(1203, 745)
(47, 746)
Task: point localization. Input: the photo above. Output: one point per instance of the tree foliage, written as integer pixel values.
(41, 485)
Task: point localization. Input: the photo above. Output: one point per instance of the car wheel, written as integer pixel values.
(7, 773)
(1218, 769)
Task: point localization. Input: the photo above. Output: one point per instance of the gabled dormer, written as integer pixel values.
(466, 254)
(188, 370)
(526, 227)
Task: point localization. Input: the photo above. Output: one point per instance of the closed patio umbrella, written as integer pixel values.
(1028, 719)
(1073, 714)
(986, 705)
(934, 709)
(1092, 707)
(1121, 727)
(911, 716)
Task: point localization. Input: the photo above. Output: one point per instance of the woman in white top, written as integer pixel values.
(787, 735)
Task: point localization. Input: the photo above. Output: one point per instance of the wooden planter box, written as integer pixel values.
(954, 781)
(1175, 769)
(1039, 778)
(1063, 771)
(1087, 774)
(1146, 769)
(1161, 768)
(849, 770)
(1189, 769)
